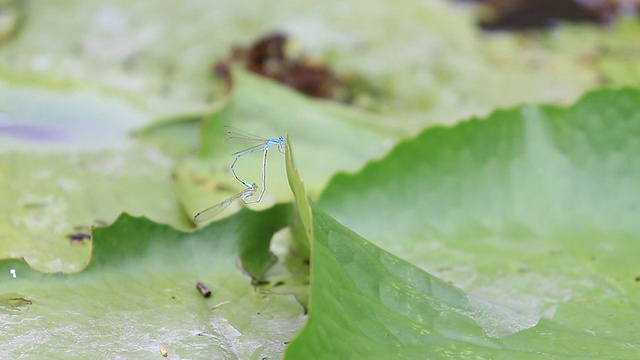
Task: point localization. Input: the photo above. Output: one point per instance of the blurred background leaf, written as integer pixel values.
(76, 78)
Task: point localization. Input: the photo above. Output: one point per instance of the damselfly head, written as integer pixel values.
(281, 144)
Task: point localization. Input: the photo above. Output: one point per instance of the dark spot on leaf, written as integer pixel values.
(13, 303)
(78, 238)
(258, 282)
(637, 278)
(279, 283)
(18, 302)
(83, 232)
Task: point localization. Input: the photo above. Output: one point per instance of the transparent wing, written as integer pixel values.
(237, 136)
(214, 210)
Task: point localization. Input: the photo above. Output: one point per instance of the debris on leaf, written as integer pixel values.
(204, 290)
(518, 15)
(276, 57)
(218, 305)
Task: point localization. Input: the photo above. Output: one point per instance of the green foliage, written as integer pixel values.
(535, 202)
(510, 235)
(138, 295)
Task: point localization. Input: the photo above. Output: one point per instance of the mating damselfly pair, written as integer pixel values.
(233, 135)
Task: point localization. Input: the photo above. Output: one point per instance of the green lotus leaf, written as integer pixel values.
(532, 210)
(138, 295)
